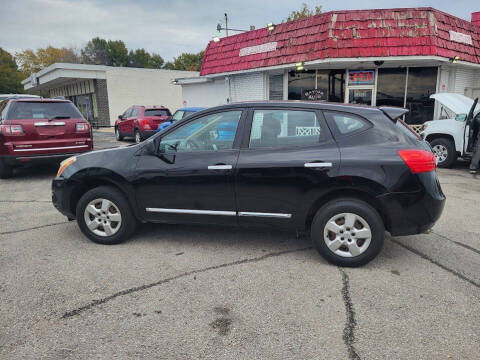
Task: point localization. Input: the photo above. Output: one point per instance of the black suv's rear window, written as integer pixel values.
(157, 112)
(41, 110)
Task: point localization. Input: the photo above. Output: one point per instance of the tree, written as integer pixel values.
(139, 58)
(10, 77)
(303, 13)
(156, 62)
(186, 61)
(31, 61)
(117, 52)
(96, 52)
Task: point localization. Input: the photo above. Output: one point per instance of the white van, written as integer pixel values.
(451, 136)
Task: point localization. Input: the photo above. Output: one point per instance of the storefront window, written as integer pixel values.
(275, 86)
(300, 84)
(422, 82)
(320, 85)
(391, 87)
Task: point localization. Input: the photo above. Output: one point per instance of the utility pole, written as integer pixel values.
(226, 24)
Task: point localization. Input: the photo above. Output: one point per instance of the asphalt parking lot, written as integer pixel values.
(216, 293)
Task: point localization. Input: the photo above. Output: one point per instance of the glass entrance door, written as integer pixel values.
(360, 96)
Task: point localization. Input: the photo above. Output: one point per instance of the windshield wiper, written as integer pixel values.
(57, 117)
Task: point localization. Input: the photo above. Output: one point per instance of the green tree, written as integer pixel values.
(156, 62)
(139, 58)
(96, 52)
(31, 61)
(304, 12)
(186, 61)
(10, 77)
(118, 52)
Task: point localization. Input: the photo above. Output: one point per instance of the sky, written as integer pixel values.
(168, 28)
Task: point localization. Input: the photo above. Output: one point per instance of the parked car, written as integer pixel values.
(343, 173)
(179, 115)
(6, 96)
(34, 130)
(452, 135)
(140, 122)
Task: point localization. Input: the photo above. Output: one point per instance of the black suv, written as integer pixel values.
(343, 173)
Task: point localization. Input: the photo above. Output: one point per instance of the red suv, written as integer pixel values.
(39, 130)
(140, 122)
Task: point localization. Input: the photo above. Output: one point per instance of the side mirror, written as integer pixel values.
(151, 148)
(120, 117)
(461, 117)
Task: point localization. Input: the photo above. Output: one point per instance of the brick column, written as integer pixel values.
(101, 95)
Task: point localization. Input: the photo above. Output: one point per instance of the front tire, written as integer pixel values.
(105, 216)
(445, 153)
(118, 135)
(6, 171)
(348, 232)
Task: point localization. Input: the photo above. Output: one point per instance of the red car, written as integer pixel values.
(34, 130)
(140, 122)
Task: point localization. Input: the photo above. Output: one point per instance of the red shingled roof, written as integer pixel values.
(347, 34)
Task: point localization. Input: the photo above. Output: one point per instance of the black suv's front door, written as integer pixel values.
(192, 178)
(289, 158)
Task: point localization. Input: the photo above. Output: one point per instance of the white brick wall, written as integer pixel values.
(131, 86)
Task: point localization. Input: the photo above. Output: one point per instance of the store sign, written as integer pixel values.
(361, 77)
(314, 94)
(460, 38)
(258, 49)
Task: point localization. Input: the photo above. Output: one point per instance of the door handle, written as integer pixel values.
(220, 167)
(318, 164)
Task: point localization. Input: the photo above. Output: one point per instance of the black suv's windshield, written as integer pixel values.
(41, 110)
(157, 112)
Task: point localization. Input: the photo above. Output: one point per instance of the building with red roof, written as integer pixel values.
(376, 57)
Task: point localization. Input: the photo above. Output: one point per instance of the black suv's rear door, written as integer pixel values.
(287, 158)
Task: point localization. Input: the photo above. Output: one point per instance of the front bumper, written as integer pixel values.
(414, 212)
(61, 197)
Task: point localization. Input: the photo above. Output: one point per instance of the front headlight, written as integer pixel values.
(66, 163)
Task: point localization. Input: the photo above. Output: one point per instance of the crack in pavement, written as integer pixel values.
(349, 329)
(468, 247)
(423, 256)
(97, 302)
(33, 228)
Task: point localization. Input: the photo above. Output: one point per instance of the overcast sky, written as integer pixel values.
(167, 27)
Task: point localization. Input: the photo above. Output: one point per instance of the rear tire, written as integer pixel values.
(6, 171)
(348, 232)
(445, 153)
(105, 216)
(138, 136)
(118, 135)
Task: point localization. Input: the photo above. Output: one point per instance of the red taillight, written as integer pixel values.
(82, 127)
(11, 130)
(418, 161)
(146, 124)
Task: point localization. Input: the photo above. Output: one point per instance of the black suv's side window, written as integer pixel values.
(285, 128)
(346, 123)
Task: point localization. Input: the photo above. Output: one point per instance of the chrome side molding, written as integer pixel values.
(262, 214)
(220, 167)
(56, 123)
(216, 212)
(318, 165)
(190, 211)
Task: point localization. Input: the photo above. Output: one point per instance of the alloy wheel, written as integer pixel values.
(347, 235)
(117, 134)
(441, 153)
(102, 217)
(138, 140)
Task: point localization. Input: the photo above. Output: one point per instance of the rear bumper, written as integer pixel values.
(20, 160)
(147, 133)
(414, 212)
